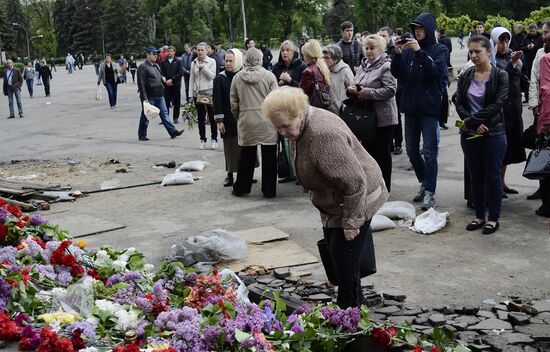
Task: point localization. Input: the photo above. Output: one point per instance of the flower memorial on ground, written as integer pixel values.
(57, 295)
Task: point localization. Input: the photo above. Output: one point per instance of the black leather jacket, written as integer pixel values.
(496, 94)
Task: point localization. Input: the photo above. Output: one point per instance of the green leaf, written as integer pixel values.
(241, 336)
(411, 339)
(136, 261)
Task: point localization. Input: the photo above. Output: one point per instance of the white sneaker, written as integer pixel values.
(203, 146)
(214, 145)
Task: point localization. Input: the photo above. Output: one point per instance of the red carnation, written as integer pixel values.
(381, 337)
(3, 232)
(435, 349)
(39, 242)
(417, 348)
(9, 331)
(77, 341)
(50, 342)
(133, 347)
(14, 210)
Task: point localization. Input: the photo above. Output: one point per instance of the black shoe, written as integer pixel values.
(176, 121)
(287, 179)
(489, 229)
(238, 194)
(11, 117)
(143, 138)
(474, 225)
(533, 196)
(510, 191)
(254, 181)
(541, 212)
(178, 133)
(228, 181)
(444, 126)
(21, 116)
(504, 196)
(269, 196)
(470, 204)
(397, 151)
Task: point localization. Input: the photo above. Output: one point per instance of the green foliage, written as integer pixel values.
(543, 14)
(15, 14)
(341, 11)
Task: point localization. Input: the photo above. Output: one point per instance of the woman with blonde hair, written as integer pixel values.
(343, 180)
(316, 77)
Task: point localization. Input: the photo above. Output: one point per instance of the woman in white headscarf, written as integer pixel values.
(248, 91)
(509, 61)
(223, 115)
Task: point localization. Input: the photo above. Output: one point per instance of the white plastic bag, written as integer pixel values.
(242, 291)
(150, 111)
(211, 247)
(398, 210)
(98, 94)
(197, 165)
(381, 222)
(430, 222)
(78, 297)
(178, 178)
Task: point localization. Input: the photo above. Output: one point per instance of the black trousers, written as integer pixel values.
(346, 259)
(133, 72)
(201, 112)
(397, 140)
(46, 82)
(186, 83)
(245, 173)
(545, 195)
(173, 94)
(380, 150)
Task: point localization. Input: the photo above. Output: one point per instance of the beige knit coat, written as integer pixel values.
(344, 181)
(248, 91)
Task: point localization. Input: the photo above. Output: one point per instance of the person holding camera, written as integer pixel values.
(374, 84)
(420, 64)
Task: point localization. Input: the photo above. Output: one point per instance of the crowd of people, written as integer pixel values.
(330, 117)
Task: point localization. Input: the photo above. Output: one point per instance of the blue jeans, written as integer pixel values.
(17, 93)
(143, 122)
(484, 157)
(424, 163)
(30, 83)
(70, 68)
(96, 69)
(111, 91)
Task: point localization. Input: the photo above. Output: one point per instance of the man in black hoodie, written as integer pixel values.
(420, 64)
(530, 45)
(172, 72)
(352, 49)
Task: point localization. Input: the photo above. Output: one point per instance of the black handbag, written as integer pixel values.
(367, 264)
(360, 118)
(537, 166)
(320, 97)
(530, 137)
(283, 167)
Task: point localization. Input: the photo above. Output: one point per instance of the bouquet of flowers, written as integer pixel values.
(189, 115)
(58, 295)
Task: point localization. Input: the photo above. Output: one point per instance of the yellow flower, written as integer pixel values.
(81, 243)
(62, 317)
(159, 347)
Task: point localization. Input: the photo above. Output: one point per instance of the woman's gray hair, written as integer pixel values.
(254, 57)
(333, 50)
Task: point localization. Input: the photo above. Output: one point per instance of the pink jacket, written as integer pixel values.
(544, 92)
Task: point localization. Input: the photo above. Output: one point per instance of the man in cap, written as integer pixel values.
(420, 64)
(151, 89)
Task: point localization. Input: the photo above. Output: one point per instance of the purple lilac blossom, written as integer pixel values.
(131, 276)
(259, 344)
(169, 320)
(5, 292)
(76, 251)
(113, 280)
(159, 294)
(51, 246)
(297, 327)
(33, 249)
(140, 328)
(46, 271)
(211, 338)
(191, 278)
(8, 254)
(125, 296)
(88, 329)
(268, 317)
(144, 304)
(156, 340)
(64, 276)
(4, 216)
(37, 220)
(342, 319)
(302, 310)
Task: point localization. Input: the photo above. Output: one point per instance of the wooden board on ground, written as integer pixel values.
(262, 234)
(272, 255)
(81, 225)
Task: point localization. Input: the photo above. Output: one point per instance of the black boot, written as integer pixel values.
(228, 180)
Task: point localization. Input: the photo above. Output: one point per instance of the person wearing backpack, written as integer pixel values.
(315, 80)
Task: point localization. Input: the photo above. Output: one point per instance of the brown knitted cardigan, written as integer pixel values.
(344, 181)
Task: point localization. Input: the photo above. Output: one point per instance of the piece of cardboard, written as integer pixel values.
(262, 234)
(81, 225)
(272, 255)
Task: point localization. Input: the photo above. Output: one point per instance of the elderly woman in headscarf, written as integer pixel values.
(223, 115)
(248, 90)
(509, 61)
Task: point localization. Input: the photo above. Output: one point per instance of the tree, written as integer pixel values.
(6, 33)
(15, 14)
(137, 36)
(114, 27)
(85, 27)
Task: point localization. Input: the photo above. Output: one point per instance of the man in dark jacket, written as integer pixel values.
(171, 73)
(517, 37)
(420, 64)
(151, 90)
(268, 56)
(46, 74)
(530, 45)
(186, 59)
(444, 116)
(13, 80)
(352, 49)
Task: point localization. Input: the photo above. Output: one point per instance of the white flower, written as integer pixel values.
(102, 258)
(126, 320)
(149, 268)
(90, 349)
(119, 265)
(126, 255)
(108, 306)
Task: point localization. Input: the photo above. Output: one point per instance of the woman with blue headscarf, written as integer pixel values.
(509, 61)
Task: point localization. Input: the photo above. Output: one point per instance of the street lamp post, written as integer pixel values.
(27, 34)
(35, 37)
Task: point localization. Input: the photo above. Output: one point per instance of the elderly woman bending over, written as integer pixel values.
(343, 180)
